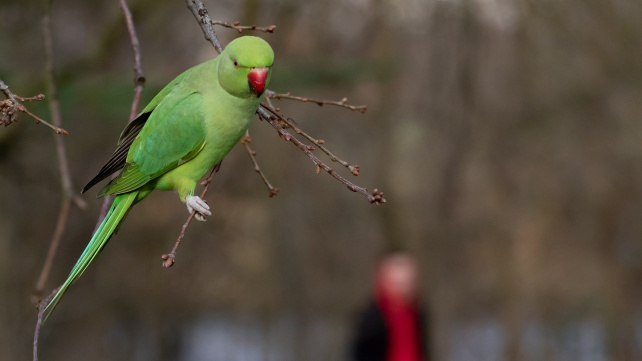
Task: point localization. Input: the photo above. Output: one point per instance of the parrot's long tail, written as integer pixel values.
(117, 212)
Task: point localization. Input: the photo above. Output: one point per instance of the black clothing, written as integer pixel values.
(370, 342)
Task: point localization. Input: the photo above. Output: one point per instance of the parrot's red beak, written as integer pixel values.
(257, 78)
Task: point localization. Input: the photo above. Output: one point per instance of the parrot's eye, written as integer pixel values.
(236, 64)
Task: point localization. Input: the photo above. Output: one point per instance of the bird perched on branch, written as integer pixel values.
(186, 130)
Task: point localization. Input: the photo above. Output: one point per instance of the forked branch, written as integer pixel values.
(41, 305)
(12, 106)
(277, 120)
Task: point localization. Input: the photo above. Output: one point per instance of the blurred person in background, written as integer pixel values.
(393, 327)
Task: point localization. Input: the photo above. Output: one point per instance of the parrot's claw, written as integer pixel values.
(195, 203)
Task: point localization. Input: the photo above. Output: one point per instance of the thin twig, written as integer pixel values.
(269, 101)
(139, 83)
(56, 129)
(139, 76)
(240, 28)
(375, 197)
(41, 306)
(246, 140)
(170, 259)
(38, 97)
(63, 215)
(320, 102)
(354, 169)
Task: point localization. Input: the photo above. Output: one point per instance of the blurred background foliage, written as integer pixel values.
(505, 134)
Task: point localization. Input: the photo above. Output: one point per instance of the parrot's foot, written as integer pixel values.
(195, 203)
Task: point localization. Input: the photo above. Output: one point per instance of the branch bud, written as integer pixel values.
(377, 197)
(168, 260)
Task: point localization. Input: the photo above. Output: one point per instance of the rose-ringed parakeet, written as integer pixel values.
(185, 131)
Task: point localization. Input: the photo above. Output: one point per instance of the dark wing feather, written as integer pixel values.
(119, 157)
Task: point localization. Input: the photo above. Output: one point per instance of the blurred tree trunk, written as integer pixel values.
(380, 41)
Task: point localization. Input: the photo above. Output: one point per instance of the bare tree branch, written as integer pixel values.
(246, 140)
(240, 28)
(10, 108)
(354, 169)
(69, 195)
(275, 119)
(54, 107)
(342, 103)
(61, 223)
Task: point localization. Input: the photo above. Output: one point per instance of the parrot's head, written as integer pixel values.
(245, 67)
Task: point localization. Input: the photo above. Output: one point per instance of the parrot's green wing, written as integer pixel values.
(173, 134)
(119, 158)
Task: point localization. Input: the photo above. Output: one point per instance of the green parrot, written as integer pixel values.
(186, 130)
